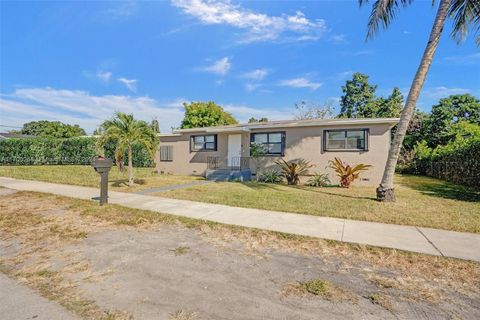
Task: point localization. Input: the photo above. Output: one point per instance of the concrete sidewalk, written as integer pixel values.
(20, 302)
(422, 240)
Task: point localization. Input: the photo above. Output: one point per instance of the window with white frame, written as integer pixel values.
(349, 139)
(203, 143)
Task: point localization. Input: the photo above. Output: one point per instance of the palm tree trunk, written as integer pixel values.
(385, 191)
(130, 166)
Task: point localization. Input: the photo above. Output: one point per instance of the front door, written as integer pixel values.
(234, 149)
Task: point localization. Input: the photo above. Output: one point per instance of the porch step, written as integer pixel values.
(228, 175)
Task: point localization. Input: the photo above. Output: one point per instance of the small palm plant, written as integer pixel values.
(293, 170)
(347, 173)
(127, 131)
(271, 176)
(319, 180)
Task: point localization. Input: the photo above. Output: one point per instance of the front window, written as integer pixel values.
(166, 153)
(273, 142)
(346, 139)
(203, 143)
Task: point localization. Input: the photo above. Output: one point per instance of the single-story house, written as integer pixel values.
(224, 151)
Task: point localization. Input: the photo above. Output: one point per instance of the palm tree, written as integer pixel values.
(464, 14)
(127, 131)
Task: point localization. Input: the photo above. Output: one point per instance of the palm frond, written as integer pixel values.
(383, 12)
(465, 13)
(125, 130)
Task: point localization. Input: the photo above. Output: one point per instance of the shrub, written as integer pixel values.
(319, 180)
(79, 150)
(271, 176)
(293, 170)
(458, 163)
(347, 173)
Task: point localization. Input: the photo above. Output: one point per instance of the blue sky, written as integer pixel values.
(78, 62)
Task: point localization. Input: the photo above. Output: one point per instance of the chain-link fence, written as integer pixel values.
(465, 171)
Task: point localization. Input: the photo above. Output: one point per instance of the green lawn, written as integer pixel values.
(421, 201)
(84, 175)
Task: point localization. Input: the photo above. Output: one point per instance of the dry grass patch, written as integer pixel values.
(182, 315)
(318, 287)
(381, 300)
(181, 250)
(418, 289)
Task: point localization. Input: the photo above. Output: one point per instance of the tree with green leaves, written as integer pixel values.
(253, 120)
(52, 129)
(390, 107)
(415, 134)
(205, 114)
(358, 99)
(449, 111)
(308, 110)
(155, 125)
(126, 131)
(464, 14)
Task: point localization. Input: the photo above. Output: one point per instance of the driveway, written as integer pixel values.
(20, 302)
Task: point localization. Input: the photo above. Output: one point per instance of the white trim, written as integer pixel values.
(292, 124)
(169, 135)
(229, 130)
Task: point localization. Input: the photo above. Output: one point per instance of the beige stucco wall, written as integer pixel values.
(303, 142)
(307, 143)
(186, 162)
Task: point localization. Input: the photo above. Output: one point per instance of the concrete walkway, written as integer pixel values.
(408, 238)
(173, 187)
(20, 302)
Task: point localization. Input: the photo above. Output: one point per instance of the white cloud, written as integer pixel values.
(104, 76)
(443, 92)
(339, 39)
(257, 26)
(89, 111)
(243, 113)
(363, 53)
(344, 75)
(249, 87)
(80, 107)
(220, 67)
(257, 74)
(122, 9)
(131, 84)
(300, 83)
(473, 58)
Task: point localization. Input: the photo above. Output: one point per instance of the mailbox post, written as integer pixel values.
(102, 166)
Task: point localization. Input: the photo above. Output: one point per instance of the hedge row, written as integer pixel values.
(36, 151)
(461, 165)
